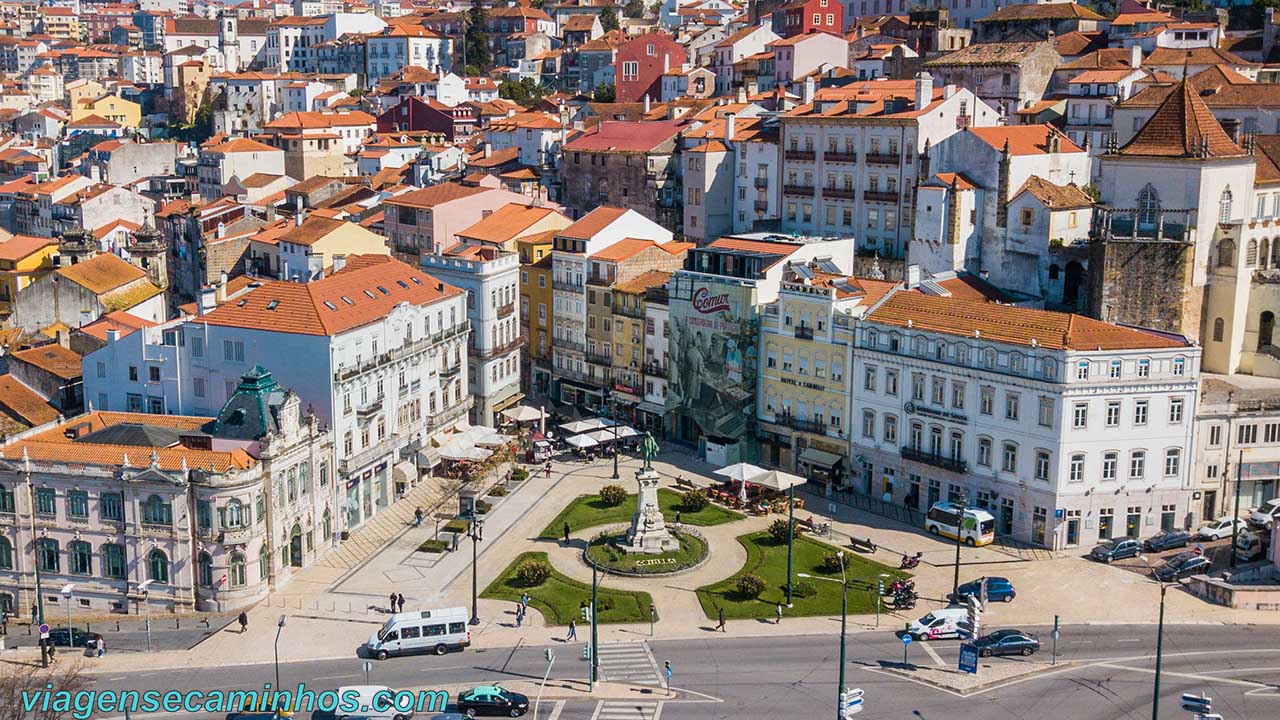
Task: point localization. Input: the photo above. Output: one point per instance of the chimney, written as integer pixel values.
(207, 300)
(742, 95)
(222, 231)
(1135, 57)
(646, 104)
(300, 217)
(948, 91)
(112, 336)
(666, 63)
(913, 276)
(488, 149)
(220, 291)
(924, 89)
(339, 262)
(753, 87)
(806, 95)
(730, 121)
(271, 212)
(63, 338)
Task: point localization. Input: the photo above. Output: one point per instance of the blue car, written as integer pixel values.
(998, 590)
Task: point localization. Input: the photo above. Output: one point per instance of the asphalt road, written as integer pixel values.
(1110, 677)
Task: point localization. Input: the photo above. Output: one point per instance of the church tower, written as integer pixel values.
(150, 253)
(76, 245)
(229, 39)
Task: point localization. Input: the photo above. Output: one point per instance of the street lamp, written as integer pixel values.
(1155, 693)
(475, 531)
(844, 614)
(145, 589)
(955, 580)
(66, 593)
(605, 411)
(36, 548)
(279, 626)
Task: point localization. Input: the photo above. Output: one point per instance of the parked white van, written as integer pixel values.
(939, 624)
(383, 709)
(437, 631)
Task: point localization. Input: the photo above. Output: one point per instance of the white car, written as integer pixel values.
(1220, 528)
(1265, 516)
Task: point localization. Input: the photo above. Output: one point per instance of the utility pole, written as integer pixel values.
(1235, 523)
(35, 555)
(595, 625)
(955, 580)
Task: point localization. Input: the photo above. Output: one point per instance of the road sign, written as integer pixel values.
(1055, 634)
(44, 632)
(1201, 704)
(906, 639)
(851, 702)
(969, 659)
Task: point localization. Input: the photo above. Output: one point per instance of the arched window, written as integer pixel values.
(1217, 329)
(1251, 253)
(113, 565)
(1148, 205)
(237, 575)
(328, 525)
(156, 511)
(1053, 271)
(1224, 206)
(304, 478)
(158, 566)
(6, 554)
(1226, 253)
(1264, 254)
(293, 484)
(80, 557)
(264, 562)
(1275, 253)
(204, 566)
(235, 513)
(6, 501)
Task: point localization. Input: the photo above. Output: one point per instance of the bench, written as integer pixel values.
(683, 482)
(864, 546)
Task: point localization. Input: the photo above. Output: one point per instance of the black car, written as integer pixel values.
(1182, 565)
(492, 700)
(1120, 549)
(1007, 642)
(1166, 540)
(79, 638)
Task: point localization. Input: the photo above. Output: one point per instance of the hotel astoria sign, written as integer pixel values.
(914, 409)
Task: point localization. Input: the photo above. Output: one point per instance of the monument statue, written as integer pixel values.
(648, 532)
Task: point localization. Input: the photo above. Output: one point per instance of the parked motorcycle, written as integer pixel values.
(910, 561)
(898, 586)
(904, 600)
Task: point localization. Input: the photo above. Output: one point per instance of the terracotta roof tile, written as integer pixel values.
(621, 136)
(1013, 325)
(238, 145)
(101, 274)
(1055, 197)
(24, 404)
(1051, 11)
(593, 222)
(20, 246)
(118, 320)
(52, 358)
(1024, 139)
(435, 195)
(642, 282)
(509, 221)
(1183, 126)
(998, 53)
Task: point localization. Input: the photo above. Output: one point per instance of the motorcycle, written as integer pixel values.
(898, 586)
(910, 561)
(904, 600)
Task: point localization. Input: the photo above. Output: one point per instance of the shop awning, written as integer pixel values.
(405, 472)
(652, 408)
(820, 458)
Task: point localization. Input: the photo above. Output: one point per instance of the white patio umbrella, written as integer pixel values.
(600, 436)
(460, 451)
(625, 431)
(522, 413)
(581, 441)
(578, 426)
(778, 480)
(743, 473)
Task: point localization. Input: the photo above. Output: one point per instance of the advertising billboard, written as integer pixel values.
(714, 326)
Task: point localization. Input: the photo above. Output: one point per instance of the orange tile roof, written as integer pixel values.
(101, 273)
(20, 246)
(54, 446)
(507, 222)
(334, 304)
(1183, 126)
(52, 358)
(959, 180)
(1023, 139)
(1055, 197)
(435, 195)
(119, 320)
(23, 403)
(624, 249)
(1013, 325)
(103, 231)
(763, 247)
(593, 222)
(238, 145)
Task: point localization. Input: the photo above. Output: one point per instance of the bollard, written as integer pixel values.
(117, 626)
(177, 624)
(206, 622)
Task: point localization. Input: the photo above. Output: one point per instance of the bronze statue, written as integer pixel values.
(648, 450)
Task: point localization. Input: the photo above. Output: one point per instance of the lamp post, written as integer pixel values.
(35, 547)
(145, 589)
(1155, 692)
(67, 590)
(279, 626)
(595, 637)
(606, 411)
(476, 533)
(1235, 523)
(844, 615)
(955, 580)
(791, 532)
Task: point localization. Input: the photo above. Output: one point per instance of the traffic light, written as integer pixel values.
(1200, 704)
(586, 612)
(970, 627)
(850, 702)
(546, 654)
(586, 651)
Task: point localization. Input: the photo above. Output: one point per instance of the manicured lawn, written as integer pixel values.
(768, 559)
(559, 597)
(692, 550)
(589, 511)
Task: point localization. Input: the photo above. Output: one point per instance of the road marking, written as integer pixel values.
(336, 677)
(555, 711)
(937, 659)
(628, 662)
(1129, 640)
(1189, 676)
(118, 677)
(627, 710)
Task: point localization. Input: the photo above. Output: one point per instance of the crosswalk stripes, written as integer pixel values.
(628, 710)
(628, 662)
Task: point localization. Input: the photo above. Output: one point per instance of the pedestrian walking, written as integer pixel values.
(52, 651)
(778, 615)
(35, 612)
(573, 631)
(566, 533)
(417, 517)
(548, 470)
(244, 622)
(102, 646)
(4, 622)
(400, 599)
(720, 627)
(455, 541)
(393, 603)
(524, 600)
(677, 517)
(519, 615)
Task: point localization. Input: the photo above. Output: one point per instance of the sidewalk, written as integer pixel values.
(335, 605)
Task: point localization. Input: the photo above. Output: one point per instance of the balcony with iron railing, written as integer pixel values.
(599, 357)
(567, 344)
(880, 196)
(846, 193)
(883, 158)
(451, 371)
(804, 332)
(761, 206)
(493, 352)
(628, 310)
(506, 310)
(761, 182)
(1134, 225)
(568, 286)
(797, 190)
(801, 155)
(601, 280)
(839, 157)
(572, 374)
(801, 424)
(655, 369)
(937, 460)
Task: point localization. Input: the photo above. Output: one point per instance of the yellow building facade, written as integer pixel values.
(536, 299)
(23, 260)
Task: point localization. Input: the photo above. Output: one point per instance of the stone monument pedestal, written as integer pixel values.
(648, 533)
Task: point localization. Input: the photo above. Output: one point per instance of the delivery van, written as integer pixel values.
(383, 709)
(944, 623)
(436, 631)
